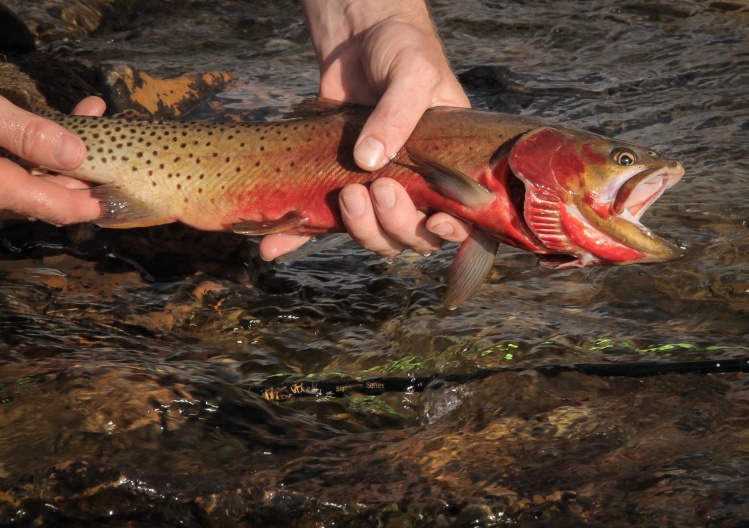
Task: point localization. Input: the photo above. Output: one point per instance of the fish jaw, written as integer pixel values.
(585, 195)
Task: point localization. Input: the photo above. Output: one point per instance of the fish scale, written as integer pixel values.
(485, 168)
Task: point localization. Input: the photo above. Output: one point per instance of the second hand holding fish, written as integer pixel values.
(384, 53)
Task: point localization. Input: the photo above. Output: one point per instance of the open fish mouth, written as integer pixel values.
(640, 191)
(606, 233)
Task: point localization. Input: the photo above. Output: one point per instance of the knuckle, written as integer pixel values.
(34, 139)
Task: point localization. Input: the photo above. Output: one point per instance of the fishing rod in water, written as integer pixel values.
(380, 385)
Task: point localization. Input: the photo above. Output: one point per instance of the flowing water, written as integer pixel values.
(132, 363)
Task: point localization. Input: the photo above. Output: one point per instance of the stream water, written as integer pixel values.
(128, 383)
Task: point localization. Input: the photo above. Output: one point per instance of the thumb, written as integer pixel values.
(388, 127)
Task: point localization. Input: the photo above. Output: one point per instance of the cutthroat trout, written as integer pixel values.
(572, 197)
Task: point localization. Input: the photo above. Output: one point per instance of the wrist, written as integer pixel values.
(332, 23)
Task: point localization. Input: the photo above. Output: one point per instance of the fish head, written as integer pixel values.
(585, 195)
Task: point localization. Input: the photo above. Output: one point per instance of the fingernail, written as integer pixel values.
(384, 196)
(370, 153)
(443, 229)
(354, 202)
(67, 151)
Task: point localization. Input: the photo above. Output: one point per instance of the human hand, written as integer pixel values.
(382, 52)
(52, 198)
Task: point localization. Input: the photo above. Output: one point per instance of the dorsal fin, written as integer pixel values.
(316, 107)
(133, 115)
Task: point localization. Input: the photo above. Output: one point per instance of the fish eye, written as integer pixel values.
(624, 157)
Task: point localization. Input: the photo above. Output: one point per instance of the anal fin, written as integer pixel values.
(121, 211)
(268, 227)
(472, 264)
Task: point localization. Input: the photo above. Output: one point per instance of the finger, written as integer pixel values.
(273, 246)
(90, 106)
(361, 222)
(39, 140)
(389, 125)
(448, 227)
(44, 198)
(400, 219)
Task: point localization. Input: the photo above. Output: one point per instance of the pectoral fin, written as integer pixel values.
(252, 228)
(449, 181)
(121, 211)
(472, 264)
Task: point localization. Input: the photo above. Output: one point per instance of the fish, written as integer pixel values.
(572, 197)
